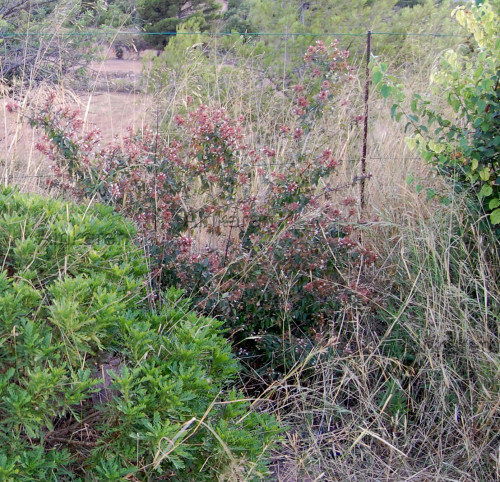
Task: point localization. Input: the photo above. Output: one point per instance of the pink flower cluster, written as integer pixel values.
(209, 186)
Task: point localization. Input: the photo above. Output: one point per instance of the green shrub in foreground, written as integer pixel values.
(94, 384)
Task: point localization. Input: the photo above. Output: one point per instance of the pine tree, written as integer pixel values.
(165, 15)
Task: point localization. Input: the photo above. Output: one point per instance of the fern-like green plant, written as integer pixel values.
(94, 383)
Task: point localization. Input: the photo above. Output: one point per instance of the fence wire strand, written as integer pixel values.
(6, 35)
(11, 177)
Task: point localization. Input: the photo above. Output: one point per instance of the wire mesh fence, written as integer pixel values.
(116, 82)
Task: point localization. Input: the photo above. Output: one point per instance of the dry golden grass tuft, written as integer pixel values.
(414, 394)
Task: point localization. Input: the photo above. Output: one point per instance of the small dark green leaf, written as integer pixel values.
(478, 121)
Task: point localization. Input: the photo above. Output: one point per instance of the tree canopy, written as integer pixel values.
(164, 16)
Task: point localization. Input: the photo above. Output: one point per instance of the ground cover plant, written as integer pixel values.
(97, 383)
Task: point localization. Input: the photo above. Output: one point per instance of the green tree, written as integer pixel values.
(236, 16)
(356, 17)
(112, 13)
(165, 16)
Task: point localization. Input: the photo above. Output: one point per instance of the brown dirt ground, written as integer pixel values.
(111, 112)
(114, 112)
(118, 66)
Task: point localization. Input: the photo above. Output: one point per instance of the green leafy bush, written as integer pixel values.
(165, 15)
(463, 144)
(94, 382)
(283, 52)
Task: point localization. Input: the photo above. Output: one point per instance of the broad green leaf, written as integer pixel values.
(377, 77)
(485, 191)
(385, 90)
(460, 16)
(494, 203)
(435, 147)
(455, 103)
(411, 143)
(495, 216)
(484, 174)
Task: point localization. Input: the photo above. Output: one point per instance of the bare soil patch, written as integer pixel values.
(118, 66)
(114, 110)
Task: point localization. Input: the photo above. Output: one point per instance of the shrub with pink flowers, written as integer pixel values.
(257, 237)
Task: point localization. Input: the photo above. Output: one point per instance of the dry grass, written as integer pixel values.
(109, 111)
(370, 411)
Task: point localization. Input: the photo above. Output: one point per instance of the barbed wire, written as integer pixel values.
(395, 158)
(6, 35)
(11, 177)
